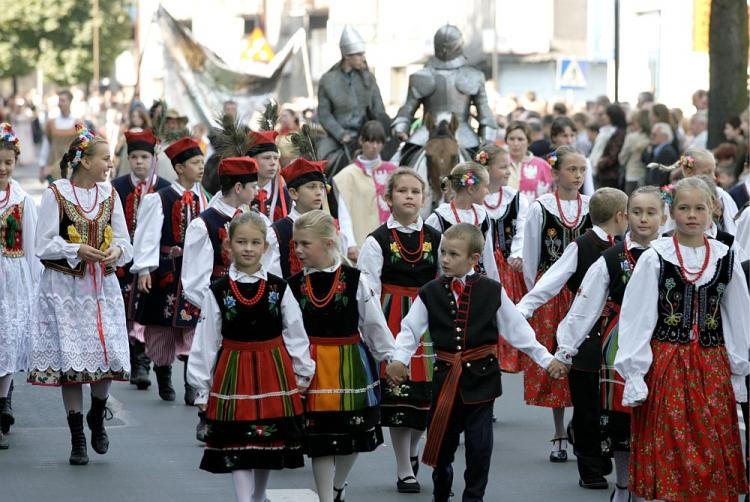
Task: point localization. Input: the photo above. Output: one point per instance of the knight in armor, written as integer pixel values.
(348, 96)
(446, 85)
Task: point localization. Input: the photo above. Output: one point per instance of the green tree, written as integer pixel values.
(728, 52)
(59, 36)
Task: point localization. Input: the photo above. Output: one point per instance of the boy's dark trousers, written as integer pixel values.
(584, 393)
(475, 421)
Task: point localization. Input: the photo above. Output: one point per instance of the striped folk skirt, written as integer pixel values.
(615, 417)
(255, 413)
(515, 288)
(342, 402)
(408, 404)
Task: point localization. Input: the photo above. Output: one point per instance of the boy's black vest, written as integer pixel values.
(556, 237)
(590, 248)
(484, 227)
(256, 323)
(399, 272)
(340, 317)
(217, 226)
(290, 265)
(467, 323)
(504, 227)
(681, 304)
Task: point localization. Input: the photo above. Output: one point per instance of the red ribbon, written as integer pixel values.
(99, 324)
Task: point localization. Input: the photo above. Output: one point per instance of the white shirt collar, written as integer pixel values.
(601, 233)
(294, 214)
(222, 206)
(631, 244)
(311, 270)
(238, 276)
(463, 277)
(180, 189)
(712, 230)
(414, 227)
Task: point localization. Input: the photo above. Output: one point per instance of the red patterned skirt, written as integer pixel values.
(408, 404)
(255, 414)
(539, 389)
(686, 442)
(515, 287)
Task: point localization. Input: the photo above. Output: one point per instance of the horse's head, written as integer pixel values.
(441, 150)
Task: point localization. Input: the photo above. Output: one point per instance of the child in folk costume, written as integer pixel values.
(19, 272)
(507, 209)
(79, 335)
(251, 393)
(131, 188)
(273, 198)
(596, 312)
(683, 352)
(608, 213)
(554, 220)
(164, 217)
(346, 329)
(463, 312)
(470, 184)
(400, 257)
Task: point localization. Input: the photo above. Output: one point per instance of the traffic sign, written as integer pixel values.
(571, 73)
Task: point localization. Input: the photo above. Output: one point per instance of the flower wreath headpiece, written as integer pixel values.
(552, 160)
(85, 136)
(687, 162)
(467, 179)
(7, 134)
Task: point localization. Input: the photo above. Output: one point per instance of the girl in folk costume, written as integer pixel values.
(79, 334)
(19, 270)
(399, 258)
(529, 175)
(346, 329)
(469, 182)
(306, 183)
(131, 188)
(554, 220)
(562, 132)
(163, 219)
(361, 186)
(683, 352)
(272, 199)
(596, 312)
(250, 363)
(507, 209)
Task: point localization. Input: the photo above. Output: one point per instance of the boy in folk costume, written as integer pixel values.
(132, 188)
(463, 311)
(164, 216)
(273, 198)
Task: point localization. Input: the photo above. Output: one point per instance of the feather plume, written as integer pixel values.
(304, 142)
(270, 116)
(159, 129)
(230, 137)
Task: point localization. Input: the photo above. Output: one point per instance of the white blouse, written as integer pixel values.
(208, 338)
(532, 235)
(516, 247)
(639, 315)
(743, 231)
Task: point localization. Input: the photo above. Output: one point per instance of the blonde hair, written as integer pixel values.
(402, 171)
(250, 218)
(647, 190)
(322, 226)
(693, 183)
(468, 233)
(467, 174)
(686, 161)
(605, 204)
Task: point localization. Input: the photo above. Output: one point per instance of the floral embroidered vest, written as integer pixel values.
(399, 272)
(244, 323)
(217, 225)
(11, 231)
(290, 264)
(76, 228)
(556, 237)
(680, 304)
(504, 227)
(131, 197)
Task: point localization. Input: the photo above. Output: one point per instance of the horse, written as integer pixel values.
(440, 154)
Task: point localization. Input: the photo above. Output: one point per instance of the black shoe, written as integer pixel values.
(408, 485)
(78, 455)
(630, 497)
(594, 483)
(95, 418)
(133, 363)
(560, 455)
(200, 429)
(141, 366)
(414, 461)
(6, 412)
(164, 381)
(340, 493)
(4, 445)
(189, 389)
(606, 466)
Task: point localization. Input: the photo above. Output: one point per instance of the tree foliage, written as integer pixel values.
(58, 36)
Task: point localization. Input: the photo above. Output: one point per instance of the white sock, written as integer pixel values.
(416, 437)
(243, 485)
(260, 479)
(323, 471)
(5, 382)
(401, 439)
(344, 464)
(558, 417)
(72, 398)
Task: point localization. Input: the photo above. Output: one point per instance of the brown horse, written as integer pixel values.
(441, 154)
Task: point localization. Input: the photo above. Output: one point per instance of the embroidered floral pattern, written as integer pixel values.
(11, 231)
(340, 300)
(230, 303)
(273, 300)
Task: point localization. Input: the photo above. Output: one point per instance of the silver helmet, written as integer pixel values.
(449, 42)
(351, 42)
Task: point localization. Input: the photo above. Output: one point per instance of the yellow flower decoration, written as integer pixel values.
(394, 248)
(73, 235)
(107, 238)
(427, 247)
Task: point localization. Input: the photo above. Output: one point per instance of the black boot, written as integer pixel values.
(200, 429)
(78, 455)
(164, 381)
(95, 418)
(133, 363)
(189, 389)
(6, 412)
(142, 364)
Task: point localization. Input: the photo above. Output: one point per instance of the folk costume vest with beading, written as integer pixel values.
(217, 226)
(556, 237)
(166, 304)
(76, 228)
(683, 307)
(11, 230)
(289, 262)
(504, 227)
(256, 323)
(400, 272)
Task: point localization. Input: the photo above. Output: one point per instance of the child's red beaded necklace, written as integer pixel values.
(5, 200)
(563, 220)
(407, 255)
(684, 272)
(320, 303)
(499, 201)
(458, 218)
(96, 198)
(245, 301)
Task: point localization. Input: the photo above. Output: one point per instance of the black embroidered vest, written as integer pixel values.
(340, 317)
(290, 265)
(681, 304)
(11, 231)
(484, 227)
(504, 227)
(244, 323)
(176, 216)
(556, 237)
(619, 270)
(217, 226)
(130, 198)
(467, 323)
(397, 270)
